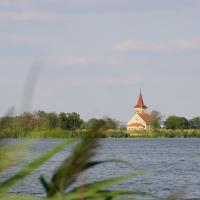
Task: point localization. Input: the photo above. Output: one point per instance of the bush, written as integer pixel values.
(175, 122)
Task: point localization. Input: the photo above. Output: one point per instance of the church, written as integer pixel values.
(141, 120)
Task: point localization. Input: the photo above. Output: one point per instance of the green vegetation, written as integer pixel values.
(67, 173)
(167, 133)
(159, 133)
(155, 119)
(31, 167)
(69, 125)
(176, 122)
(43, 123)
(59, 133)
(47, 125)
(194, 123)
(10, 154)
(106, 123)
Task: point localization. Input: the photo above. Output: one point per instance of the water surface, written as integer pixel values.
(171, 165)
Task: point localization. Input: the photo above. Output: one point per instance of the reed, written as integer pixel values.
(56, 187)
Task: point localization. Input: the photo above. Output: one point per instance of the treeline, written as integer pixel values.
(173, 122)
(176, 122)
(42, 121)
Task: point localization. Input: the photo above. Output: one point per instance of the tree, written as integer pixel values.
(73, 121)
(110, 123)
(155, 119)
(194, 123)
(62, 118)
(92, 123)
(41, 120)
(6, 123)
(52, 120)
(175, 122)
(96, 124)
(28, 121)
(106, 123)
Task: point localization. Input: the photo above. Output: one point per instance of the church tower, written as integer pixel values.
(140, 106)
(141, 120)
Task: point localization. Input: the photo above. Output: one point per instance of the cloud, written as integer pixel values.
(71, 60)
(176, 45)
(97, 61)
(100, 6)
(31, 16)
(85, 60)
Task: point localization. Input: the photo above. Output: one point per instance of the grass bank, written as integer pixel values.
(60, 133)
(167, 133)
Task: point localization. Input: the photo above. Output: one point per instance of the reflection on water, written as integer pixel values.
(171, 165)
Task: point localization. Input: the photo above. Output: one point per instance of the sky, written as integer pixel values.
(93, 56)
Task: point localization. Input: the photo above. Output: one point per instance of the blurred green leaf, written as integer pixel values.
(97, 190)
(17, 197)
(11, 154)
(72, 166)
(106, 183)
(6, 185)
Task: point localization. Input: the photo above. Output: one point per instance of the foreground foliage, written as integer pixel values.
(10, 154)
(68, 172)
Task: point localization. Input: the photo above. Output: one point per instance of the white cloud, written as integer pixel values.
(71, 60)
(176, 45)
(99, 61)
(85, 60)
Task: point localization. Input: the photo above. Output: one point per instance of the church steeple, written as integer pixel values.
(141, 120)
(140, 106)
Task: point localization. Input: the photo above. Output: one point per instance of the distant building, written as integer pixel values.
(141, 120)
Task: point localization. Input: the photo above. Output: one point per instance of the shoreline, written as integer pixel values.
(60, 133)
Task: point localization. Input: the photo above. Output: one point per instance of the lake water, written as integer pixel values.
(171, 165)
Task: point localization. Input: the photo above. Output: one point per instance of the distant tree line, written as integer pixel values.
(42, 120)
(174, 122)
(105, 123)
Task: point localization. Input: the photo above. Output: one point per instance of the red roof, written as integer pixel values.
(140, 103)
(146, 117)
(136, 125)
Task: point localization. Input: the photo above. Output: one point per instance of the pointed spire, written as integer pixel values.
(140, 102)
